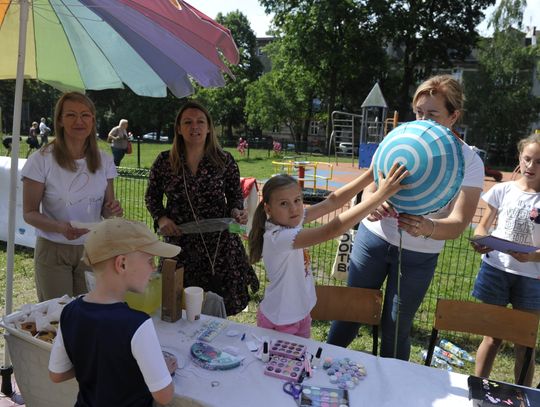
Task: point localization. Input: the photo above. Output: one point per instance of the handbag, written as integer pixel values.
(129, 148)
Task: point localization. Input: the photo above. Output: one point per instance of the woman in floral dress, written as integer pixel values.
(201, 181)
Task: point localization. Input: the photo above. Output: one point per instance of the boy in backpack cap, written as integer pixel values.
(112, 350)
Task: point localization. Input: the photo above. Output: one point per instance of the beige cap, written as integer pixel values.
(116, 236)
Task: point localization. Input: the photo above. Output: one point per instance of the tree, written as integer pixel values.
(282, 96)
(427, 35)
(500, 103)
(332, 40)
(227, 103)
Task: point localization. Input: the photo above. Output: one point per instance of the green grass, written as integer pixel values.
(455, 274)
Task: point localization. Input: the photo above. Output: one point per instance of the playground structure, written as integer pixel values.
(312, 173)
(359, 135)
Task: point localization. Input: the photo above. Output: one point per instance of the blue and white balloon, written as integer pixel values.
(433, 157)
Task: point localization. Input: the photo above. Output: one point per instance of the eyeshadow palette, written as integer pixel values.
(287, 349)
(313, 396)
(284, 368)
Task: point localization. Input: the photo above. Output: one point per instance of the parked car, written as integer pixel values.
(346, 148)
(152, 136)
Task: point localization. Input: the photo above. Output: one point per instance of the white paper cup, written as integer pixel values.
(194, 300)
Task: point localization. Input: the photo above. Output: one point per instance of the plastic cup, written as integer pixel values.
(194, 299)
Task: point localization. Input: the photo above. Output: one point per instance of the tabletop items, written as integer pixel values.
(346, 373)
(212, 358)
(485, 392)
(39, 320)
(314, 396)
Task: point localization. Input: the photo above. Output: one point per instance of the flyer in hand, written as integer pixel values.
(502, 245)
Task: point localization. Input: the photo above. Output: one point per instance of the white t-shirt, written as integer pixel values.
(514, 223)
(290, 295)
(145, 348)
(387, 227)
(69, 196)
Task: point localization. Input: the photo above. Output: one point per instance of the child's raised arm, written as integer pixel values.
(340, 196)
(346, 220)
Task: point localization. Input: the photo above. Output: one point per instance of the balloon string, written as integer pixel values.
(397, 303)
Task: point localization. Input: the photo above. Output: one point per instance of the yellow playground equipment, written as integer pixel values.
(309, 172)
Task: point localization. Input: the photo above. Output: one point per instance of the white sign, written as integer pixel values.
(24, 234)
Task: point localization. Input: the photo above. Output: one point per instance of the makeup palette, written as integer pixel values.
(314, 396)
(287, 349)
(284, 368)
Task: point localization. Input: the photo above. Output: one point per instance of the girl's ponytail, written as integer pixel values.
(256, 234)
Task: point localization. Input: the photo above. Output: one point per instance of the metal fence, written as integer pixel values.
(454, 277)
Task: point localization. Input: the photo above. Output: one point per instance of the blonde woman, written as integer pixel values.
(375, 253)
(118, 137)
(67, 181)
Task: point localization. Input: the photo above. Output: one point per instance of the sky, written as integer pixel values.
(260, 21)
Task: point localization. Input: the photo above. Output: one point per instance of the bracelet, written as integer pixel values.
(432, 229)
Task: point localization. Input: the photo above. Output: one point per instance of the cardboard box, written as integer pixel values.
(172, 291)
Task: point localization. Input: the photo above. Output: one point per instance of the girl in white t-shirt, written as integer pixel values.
(278, 237)
(511, 277)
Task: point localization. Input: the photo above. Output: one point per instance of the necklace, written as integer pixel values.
(212, 261)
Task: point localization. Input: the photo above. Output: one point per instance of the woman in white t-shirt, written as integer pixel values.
(68, 181)
(278, 236)
(511, 278)
(376, 249)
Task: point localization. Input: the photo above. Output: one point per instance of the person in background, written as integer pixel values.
(111, 349)
(511, 278)
(279, 238)
(67, 185)
(202, 181)
(118, 137)
(375, 252)
(32, 140)
(44, 131)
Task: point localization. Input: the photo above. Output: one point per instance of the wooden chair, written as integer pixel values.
(512, 325)
(351, 304)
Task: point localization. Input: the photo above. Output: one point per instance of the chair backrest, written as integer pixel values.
(508, 324)
(488, 320)
(350, 304)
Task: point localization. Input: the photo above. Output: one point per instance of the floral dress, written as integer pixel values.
(213, 193)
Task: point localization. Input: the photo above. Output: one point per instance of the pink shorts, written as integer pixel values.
(300, 328)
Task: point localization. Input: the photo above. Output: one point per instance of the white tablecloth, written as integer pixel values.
(389, 382)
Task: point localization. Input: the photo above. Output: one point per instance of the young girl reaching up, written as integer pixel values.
(278, 237)
(511, 278)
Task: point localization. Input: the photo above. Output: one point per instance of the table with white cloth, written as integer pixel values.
(389, 382)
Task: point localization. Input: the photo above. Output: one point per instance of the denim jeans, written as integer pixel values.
(372, 261)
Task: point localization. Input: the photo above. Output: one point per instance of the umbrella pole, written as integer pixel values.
(6, 369)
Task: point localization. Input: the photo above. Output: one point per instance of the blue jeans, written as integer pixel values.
(372, 261)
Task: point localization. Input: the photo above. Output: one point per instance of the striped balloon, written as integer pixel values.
(433, 157)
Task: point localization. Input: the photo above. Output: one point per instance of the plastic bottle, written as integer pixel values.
(447, 356)
(437, 362)
(456, 350)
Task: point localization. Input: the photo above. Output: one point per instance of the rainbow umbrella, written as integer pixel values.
(100, 44)
(147, 45)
